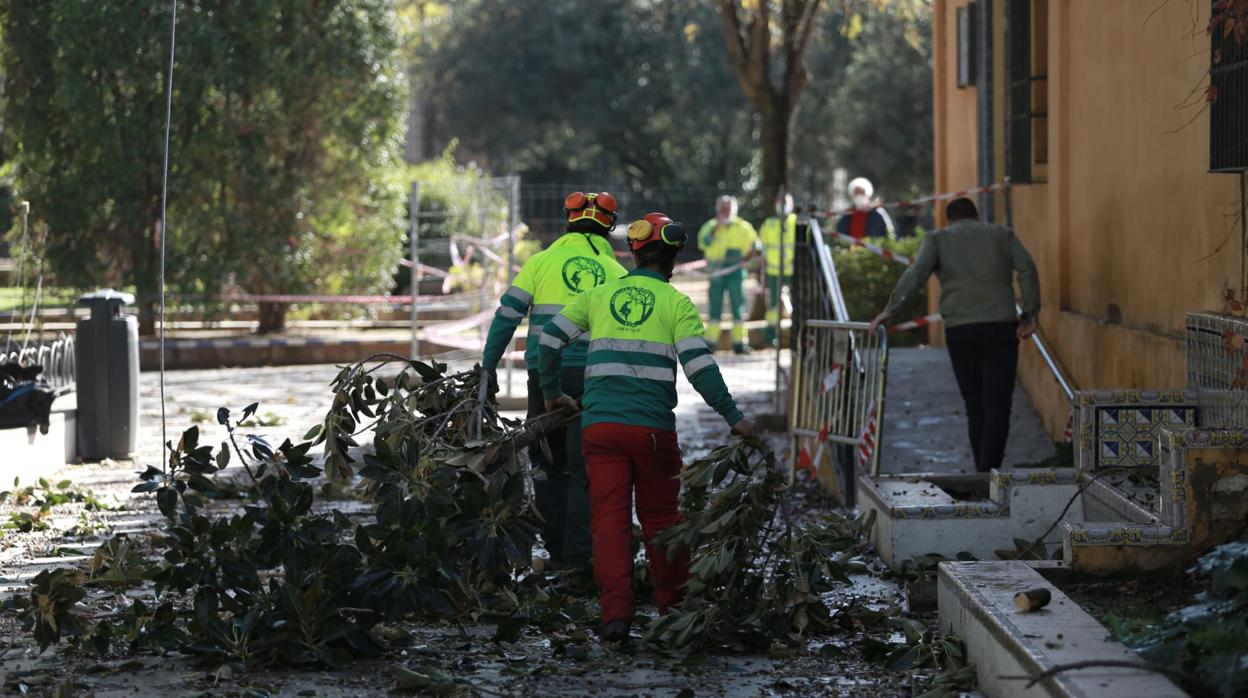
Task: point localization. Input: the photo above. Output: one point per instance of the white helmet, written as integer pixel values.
(860, 183)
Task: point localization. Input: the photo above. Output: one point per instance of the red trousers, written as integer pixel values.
(618, 459)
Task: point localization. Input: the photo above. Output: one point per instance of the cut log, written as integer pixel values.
(533, 429)
(1032, 600)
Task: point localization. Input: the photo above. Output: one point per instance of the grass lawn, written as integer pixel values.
(52, 297)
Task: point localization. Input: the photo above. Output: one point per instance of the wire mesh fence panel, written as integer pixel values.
(541, 206)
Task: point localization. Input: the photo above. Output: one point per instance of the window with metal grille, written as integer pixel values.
(966, 45)
(1028, 45)
(1228, 112)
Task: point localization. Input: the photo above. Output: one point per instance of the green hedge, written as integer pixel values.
(867, 280)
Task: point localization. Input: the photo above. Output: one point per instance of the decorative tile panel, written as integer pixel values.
(1119, 428)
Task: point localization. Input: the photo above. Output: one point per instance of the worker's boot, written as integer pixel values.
(615, 631)
(741, 348)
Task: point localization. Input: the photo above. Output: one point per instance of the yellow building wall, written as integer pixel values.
(955, 146)
(1129, 232)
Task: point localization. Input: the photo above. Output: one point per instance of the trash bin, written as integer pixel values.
(107, 352)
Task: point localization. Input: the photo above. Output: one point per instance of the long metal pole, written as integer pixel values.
(414, 254)
(485, 259)
(513, 219)
(776, 402)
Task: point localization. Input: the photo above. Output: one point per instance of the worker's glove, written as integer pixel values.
(745, 427)
(562, 402)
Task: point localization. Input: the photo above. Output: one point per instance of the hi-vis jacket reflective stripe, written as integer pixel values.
(728, 243)
(548, 281)
(641, 328)
(770, 234)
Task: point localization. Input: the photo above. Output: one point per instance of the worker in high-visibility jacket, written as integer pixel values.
(641, 327)
(727, 242)
(580, 260)
(778, 233)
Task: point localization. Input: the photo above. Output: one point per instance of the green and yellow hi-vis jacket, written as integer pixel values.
(772, 240)
(549, 280)
(728, 243)
(641, 326)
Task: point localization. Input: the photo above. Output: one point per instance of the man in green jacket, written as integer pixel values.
(577, 262)
(976, 263)
(641, 328)
(778, 234)
(727, 241)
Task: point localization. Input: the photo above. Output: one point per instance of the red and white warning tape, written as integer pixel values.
(866, 440)
(922, 200)
(426, 269)
(1070, 427)
(346, 299)
(916, 323)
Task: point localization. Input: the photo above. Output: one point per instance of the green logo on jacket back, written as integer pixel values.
(581, 274)
(632, 305)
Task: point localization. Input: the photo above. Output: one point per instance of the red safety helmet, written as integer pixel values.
(656, 227)
(602, 208)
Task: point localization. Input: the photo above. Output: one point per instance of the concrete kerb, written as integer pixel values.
(976, 603)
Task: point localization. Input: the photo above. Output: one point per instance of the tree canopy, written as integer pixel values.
(644, 92)
(286, 115)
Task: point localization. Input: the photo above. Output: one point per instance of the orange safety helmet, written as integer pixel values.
(656, 227)
(602, 208)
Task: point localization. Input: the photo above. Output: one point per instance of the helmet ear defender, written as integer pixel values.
(601, 207)
(640, 230)
(656, 227)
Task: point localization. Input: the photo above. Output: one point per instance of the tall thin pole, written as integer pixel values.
(513, 220)
(784, 219)
(413, 253)
(485, 260)
(163, 229)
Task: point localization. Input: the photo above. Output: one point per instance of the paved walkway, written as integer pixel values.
(295, 398)
(925, 423)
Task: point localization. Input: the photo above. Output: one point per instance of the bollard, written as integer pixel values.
(107, 353)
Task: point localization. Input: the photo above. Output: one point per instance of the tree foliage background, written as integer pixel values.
(289, 123)
(286, 119)
(642, 92)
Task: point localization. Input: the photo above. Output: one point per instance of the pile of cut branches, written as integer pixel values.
(442, 527)
(756, 574)
(288, 579)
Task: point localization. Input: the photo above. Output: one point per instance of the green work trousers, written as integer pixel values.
(774, 284)
(563, 494)
(732, 283)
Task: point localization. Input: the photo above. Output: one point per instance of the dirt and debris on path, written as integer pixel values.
(431, 657)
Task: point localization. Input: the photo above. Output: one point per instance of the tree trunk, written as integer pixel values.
(272, 317)
(147, 318)
(775, 144)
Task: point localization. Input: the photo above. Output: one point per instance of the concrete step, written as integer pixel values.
(976, 602)
(977, 514)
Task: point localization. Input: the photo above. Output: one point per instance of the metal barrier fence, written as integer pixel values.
(837, 386)
(839, 374)
(60, 368)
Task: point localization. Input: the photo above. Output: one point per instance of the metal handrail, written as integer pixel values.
(1054, 367)
(828, 268)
